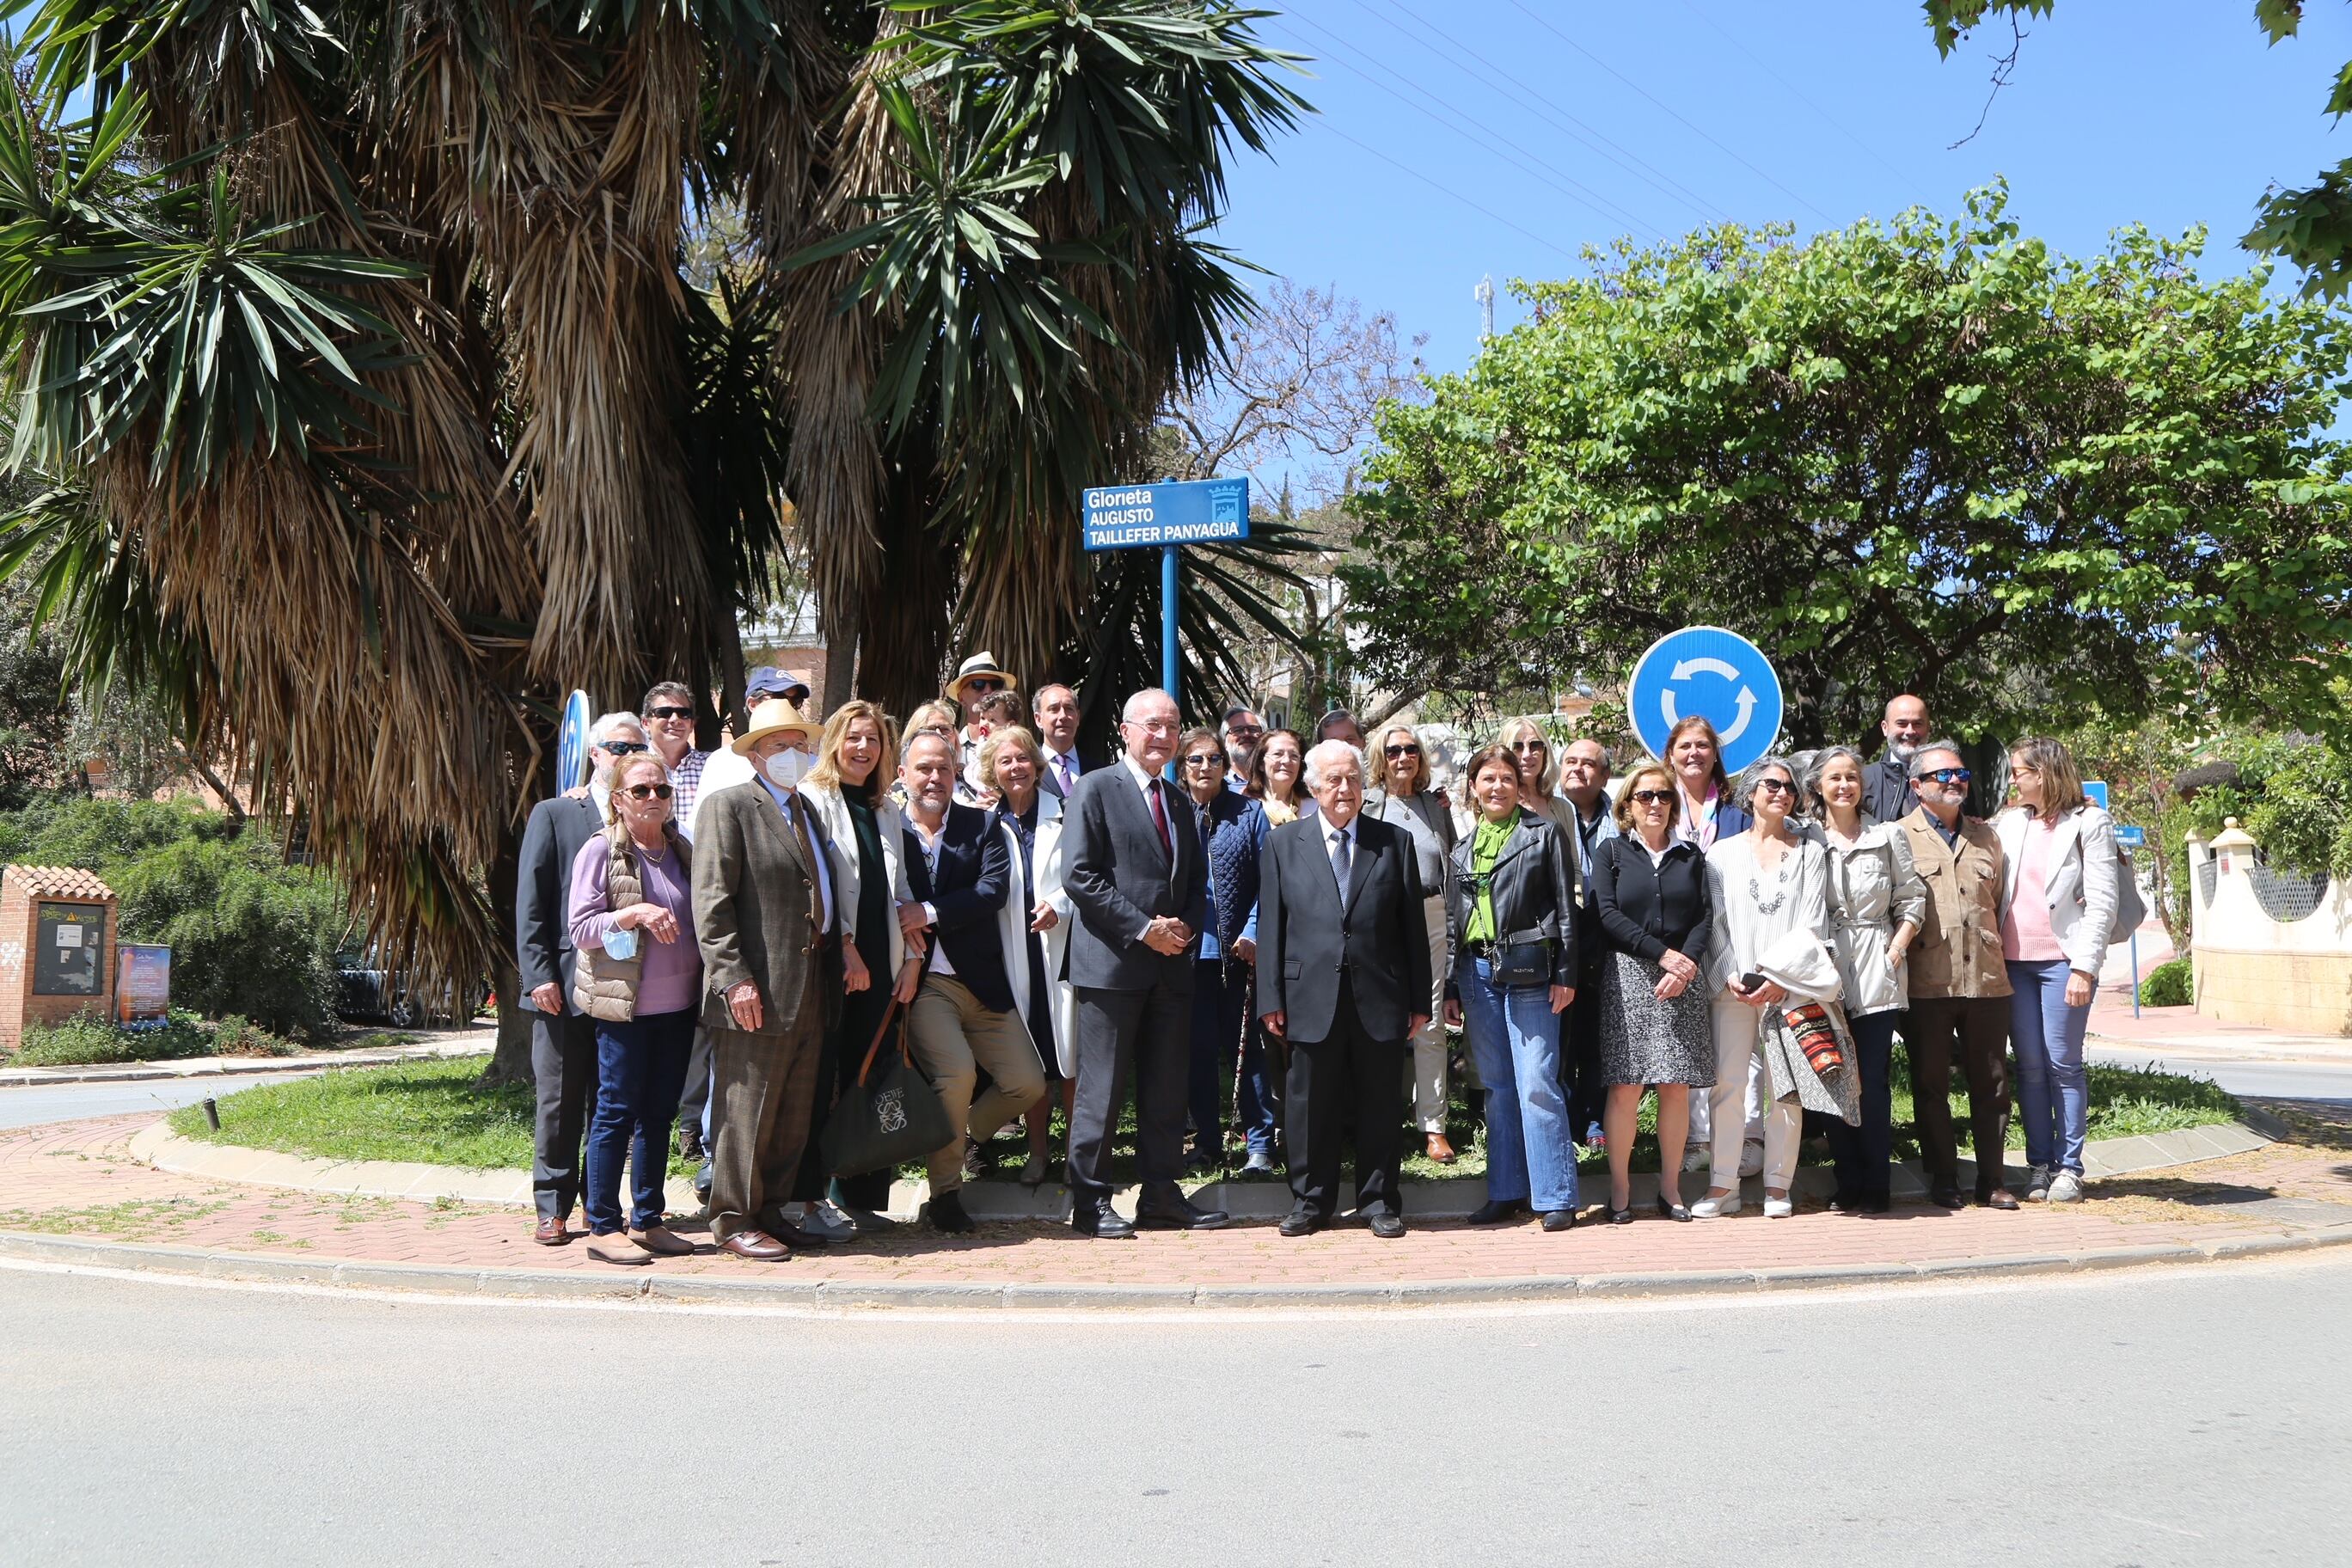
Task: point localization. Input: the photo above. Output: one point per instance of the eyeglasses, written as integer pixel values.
(1775, 786)
(1950, 775)
(646, 791)
(1151, 726)
(622, 748)
(669, 712)
(1400, 750)
(1203, 760)
(1654, 796)
(1244, 731)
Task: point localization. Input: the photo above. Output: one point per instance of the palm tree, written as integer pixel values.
(350, 347)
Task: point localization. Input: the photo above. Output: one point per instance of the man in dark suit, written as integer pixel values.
(1139, 886)
(766, 919)
(1886, 783)
(1055, 710)
(1343, 977)
(963, 1020)
(562, 1041)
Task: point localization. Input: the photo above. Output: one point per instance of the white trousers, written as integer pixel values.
(1429, 1045)
(1736, 1059)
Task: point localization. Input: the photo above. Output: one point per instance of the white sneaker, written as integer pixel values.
(1696, 1158)
(821, 1218)
(2037, 1183)
(1779, 1208)
(1708, 1208)
(2065, 1188)
(1751, 1158)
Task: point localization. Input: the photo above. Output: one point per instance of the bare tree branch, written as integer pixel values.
(2004, 68)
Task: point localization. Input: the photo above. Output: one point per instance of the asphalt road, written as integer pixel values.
(71, 1101)
(2266, 1078)
(2183, 1416)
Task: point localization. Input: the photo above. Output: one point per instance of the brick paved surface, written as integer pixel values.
(75, 1179)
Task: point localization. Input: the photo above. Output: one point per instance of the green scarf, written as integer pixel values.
(1484, 850)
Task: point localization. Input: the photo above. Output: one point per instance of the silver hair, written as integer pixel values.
(1941, 743)
(1820, 765)
(1127, 713)
(1743, 788)
(1329, 752)
(906, 746)
(601, 730)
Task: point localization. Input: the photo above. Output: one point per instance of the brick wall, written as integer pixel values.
(19, 1004)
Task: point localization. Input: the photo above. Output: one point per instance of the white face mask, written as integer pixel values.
(785, 767)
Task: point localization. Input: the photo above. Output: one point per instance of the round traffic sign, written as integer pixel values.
(1718, 675)
(572, 744)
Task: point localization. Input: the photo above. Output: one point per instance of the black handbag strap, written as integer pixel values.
(889, 1017)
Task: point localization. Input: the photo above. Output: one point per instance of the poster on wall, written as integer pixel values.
(67, 956)
(142, 981)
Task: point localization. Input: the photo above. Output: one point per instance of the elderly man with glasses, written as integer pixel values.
(1960, 984)
(562, 1039)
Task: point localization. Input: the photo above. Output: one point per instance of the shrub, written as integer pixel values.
(86, 1039)
(102, 836)
(248, 936)
(236, 1035)
(2169, 985)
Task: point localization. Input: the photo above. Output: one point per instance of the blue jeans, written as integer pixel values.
(1514, 1039)
(2053, 1091)
(640, 1070)
(1864, 1154)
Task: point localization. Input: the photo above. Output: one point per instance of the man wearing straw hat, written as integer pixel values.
(976, 678)
(763, 911)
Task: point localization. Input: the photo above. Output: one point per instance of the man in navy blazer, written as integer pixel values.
(962, 1019)
(1138, 889)
(1343, 977)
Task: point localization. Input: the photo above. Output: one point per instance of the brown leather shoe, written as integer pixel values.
(617, 1246)
(1440, 1150)
(663, 1242)
(757, 1246)
(551, 1233)
(1998, 1198)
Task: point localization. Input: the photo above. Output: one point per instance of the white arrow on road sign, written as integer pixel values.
(1747, 702)
(1722, 666)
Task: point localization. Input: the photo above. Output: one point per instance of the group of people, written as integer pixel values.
(1249, 923)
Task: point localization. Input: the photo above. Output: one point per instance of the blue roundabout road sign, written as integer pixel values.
(1718, 675)
(572, 744)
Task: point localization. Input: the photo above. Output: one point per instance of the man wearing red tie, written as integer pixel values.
(1138, 889)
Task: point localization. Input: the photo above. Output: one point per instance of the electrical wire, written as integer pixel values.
(1547, 109)
(1477, 132)
(1794, 92)
(1669, 111)
(1448, 190)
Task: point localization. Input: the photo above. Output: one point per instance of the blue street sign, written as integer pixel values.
(2097, 789)
(1716, 674)
(2130, 838)
(572, 744)
(1193, 511)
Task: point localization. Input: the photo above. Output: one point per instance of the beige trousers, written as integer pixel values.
(953, 1038)
(1429, 1044)
(1736, 1026)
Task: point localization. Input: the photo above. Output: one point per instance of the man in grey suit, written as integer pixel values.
(1139, 885)
(1343, 977)
(1055, 710)
(562, 1041)
(763, 912)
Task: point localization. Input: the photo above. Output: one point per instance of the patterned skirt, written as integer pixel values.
(1644, 1039)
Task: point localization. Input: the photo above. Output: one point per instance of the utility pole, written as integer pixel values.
(1484, 295)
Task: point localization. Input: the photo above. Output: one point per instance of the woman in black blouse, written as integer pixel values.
(1650, 887)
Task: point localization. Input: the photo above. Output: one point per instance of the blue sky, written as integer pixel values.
(1653, 116)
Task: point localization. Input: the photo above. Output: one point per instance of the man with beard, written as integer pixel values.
(1886, 783)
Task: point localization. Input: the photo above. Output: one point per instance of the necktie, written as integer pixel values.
(1159, 821)
(1062, 766)
(808, 857)
(1339, 864)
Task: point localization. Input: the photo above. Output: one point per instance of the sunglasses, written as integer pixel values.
(669, 712)
(1244, 731)
(1529, 746)
(1400, 750)
(646, 791)
(1204, 759)
(1775, 786)
(1654, 796)
(981, 685)
(622, 748)
(1950, 775)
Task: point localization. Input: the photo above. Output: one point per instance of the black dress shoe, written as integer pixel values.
(1619, 1216)
(1878, 1202)
(1670, 1210)
(1387, 1227)
(1495, 1211)
(946, 1212)
(1559, 1219)
(1296, 1224)
(1181, 1215)
(1100, 1221)
(1948, 1198)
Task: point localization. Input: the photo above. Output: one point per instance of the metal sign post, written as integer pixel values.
(2128, 838)
(1166, 517)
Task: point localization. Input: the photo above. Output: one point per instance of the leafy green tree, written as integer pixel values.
(1930, 455)
(2311, 226)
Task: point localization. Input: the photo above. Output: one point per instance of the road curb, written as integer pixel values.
(869, 1296)
(240, 1067)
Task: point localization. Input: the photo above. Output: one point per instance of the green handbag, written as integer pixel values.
(888, 1114)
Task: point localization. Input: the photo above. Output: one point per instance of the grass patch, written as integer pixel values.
(132, 1219)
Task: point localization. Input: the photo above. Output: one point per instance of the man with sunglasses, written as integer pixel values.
(668, 713)
(1959, 984)
(562, 1041)
(976, 679)
(1243, 732)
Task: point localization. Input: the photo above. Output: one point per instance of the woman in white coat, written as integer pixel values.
(2058, 902)
(1034, 924)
